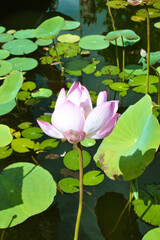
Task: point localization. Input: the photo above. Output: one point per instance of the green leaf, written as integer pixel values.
(32, 133)
(119, 86)
(118, 4)
(69, 185)
(24, 125)
(5, 37)
(49, 144)
(20, 46)
(92, 178)
(49, 28)
(28, 86)
(7, 107)
(153, 234)
(153, 13)
(23, 63)
(71, 159)
(76, 64)
(23, 95)
(2, 29)
(135, 69)
(44, 42)
(70, 25)
(110, 69)
(42, 93)
(46, 118)
(68, 38)
(91, 68)
(5, 152)
(157, 25)
(141, 80)
(142, 89)
(4, 54)
(87, 142)
(26, 33)
(21, 145)
(123, 93)
(126, 152)
(26, 190)
(107, 82)
(6, 136)
(10, 87)
(93, 42)
(5, 67)
(154, 58)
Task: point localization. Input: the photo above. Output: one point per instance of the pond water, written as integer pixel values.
(102, 203)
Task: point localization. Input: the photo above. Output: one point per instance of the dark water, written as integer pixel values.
(103, 203)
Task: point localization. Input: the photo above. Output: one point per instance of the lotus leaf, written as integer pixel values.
(27, 33)
(24, 125)
(70, 25)
(69, 185)
(49, 144)
(69, 38)
(6, 136)
(110, 69)
(135, 70)
(7, 107)
(2, 29)
(157, 24)
(92, 178)
(23, 95)
(137, 18)
(44, 42)
(42, 93)
(5, 37)
(107, 82)
(4, 54)
(127, 151)
(23, 63)
(22, 145)
(154, 58)
(87, 142)
(153, 13)
(119, 86)
(153, 234)
(118, 4)
(5, 152)
(5, 67)
(32, 133)
(93, 42)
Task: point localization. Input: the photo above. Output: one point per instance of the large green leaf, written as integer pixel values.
(25, 190)
(131, 145)
(50, 28)
(25, 33)
(5, 67)
(7, 107)
(93, 42)
(5, 137)
(10, 87)
(154, 58)
(23, 63)
(153, 234)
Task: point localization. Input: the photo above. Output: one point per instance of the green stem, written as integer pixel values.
(2, 235)
(123, 60)
(113, 25)
(134, 188)
(148, 47)
(78, 147)
(158, 83)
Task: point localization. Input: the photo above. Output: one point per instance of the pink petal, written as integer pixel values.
(102, 97)
(68, 116)
(86, 102)
(49, 129)
(74, 136)
(134, 2)
(98, 117)
(61, 98)
(108, 128)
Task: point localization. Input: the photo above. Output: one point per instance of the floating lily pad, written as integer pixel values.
(130, 148)
(153, 234)
(6, 136)
(107, 82)
(91, 68)
(32, 101)
(24, 125)
(68, 49)
(27, 33)
(74, 73)
(123, 93)
(93, 42)
(22, 185)
(23, 95)
(76, 64)
(23, 63)
(110, 69)
(93, 178)
(2, 29)
(50, 28)
(44, 42)
(149, 203)
(20, 46)
(7, 107)
(142, 89)
(32, 133)
(87, 142)
(69, 185)
(28, 86)
(69, 38)
(42, 93)
(141, 80)
(71, 159)
(11, 31)
(5, 67)
(4, 54)
(70, 25)
(153, 13)
(137, 18)
(119, 86)
(46, 118)
(5, 37)
(49, 144)
(157, 24)
(46, 60)
(135, 69)
(5, 152)
(118, 4)
(22, 145)
(10, 87)
(156, 5)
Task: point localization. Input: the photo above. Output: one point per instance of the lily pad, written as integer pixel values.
(135, 69)
(107, 82)
(4, 54)
(28, 86)
(50, 28)
(44, 42)
(93, 178)
(10, 87)
(49, 144)
(69, 38)
(70, 25)
(42, 93)
(157, 24)
(153, 234)
(2, 29)
(68, 49)
(69, 185)
(23, 95)
(87, 142)
(6, 136)
(32, 133)
(22, 185)
(5, 67)
(71, 159)
(118, 4)
(153, 13)
(76, 64)
(22, 145)
(137, 18)
(5, 37)
(5, 152)
(130, 148)
(141, 80)
(119, 86)
(7, 107)
(91, 68)
(26, 33)
(93, 42)
(110, 69)
(23, 63)
(24, 125)
(142, 89)
(156, 5)
(20, 46)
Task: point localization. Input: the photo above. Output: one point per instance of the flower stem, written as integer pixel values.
(123, 57)
(2, 235)
(78, 147)
(148, 47)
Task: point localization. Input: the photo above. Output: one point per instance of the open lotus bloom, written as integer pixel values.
(134, 2)
(74, 118)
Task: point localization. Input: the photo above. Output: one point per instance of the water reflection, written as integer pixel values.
(88, 11)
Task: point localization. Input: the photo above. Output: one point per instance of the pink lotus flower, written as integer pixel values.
(134, 2)
(74, 117)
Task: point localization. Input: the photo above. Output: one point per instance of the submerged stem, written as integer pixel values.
(148, 47)
(78, 147)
